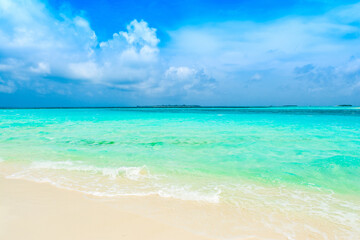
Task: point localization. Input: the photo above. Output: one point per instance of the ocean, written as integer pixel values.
(295, 161)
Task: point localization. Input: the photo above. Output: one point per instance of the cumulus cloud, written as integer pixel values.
(189, 78)
(130, 55)
(139, 34)
(37, 45)
(181, 81)
(67, 47)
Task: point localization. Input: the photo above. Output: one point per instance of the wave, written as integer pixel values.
(139, 181)
(132, 173)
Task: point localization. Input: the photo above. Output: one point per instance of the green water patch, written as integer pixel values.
(89, 142)
(152, 144)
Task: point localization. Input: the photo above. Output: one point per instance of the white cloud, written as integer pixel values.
(237, 51)
(180, 73)
(7, 86)
(281, 44)
(181, 81)
(38, 46)
(139, 43)
(140, 33)
(41, 43)
(130, 56)
(84, 70)
(42, 68)
(66, 46)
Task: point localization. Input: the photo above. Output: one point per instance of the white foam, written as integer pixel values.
(91, 184)
(165, 193)
(183, 193)
(132, 173)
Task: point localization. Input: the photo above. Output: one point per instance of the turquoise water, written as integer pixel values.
(216, 155)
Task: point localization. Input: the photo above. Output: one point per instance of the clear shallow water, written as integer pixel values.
(291, 159)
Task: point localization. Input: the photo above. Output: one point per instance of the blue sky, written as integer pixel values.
(122, 53)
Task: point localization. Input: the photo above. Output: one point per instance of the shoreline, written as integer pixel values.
(41, 211)
(33, 205)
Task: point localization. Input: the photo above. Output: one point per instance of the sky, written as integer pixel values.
(59, 53)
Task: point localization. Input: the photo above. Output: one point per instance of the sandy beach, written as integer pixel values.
(31, 210)
(40, 211)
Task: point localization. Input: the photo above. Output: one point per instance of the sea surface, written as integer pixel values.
(300, 161)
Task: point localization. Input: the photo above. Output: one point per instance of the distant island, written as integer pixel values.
(199, 106)
(170, 106)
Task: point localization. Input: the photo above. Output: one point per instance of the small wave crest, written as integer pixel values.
(90, 180)
(132, 173)
(184, 193)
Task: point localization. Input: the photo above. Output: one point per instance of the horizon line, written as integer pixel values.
(179, 106)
